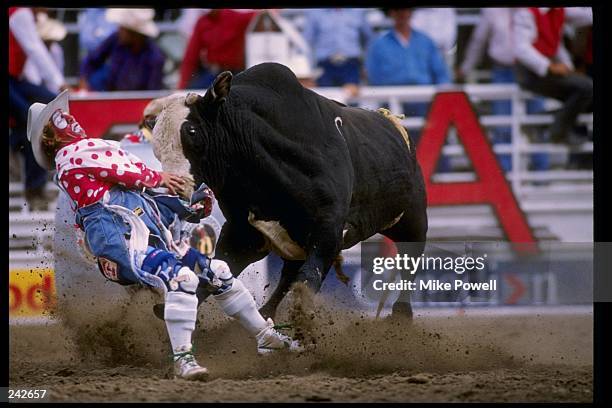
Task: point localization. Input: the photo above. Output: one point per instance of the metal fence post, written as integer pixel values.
(517, 114)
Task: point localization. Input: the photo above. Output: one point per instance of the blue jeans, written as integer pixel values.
(107, 234)
(503, 134)
(341, 74)
(21, 95)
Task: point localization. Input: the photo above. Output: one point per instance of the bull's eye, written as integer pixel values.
(191, 130)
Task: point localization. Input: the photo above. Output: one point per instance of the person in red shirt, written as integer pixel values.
(544, 66)
(127, 229)
(26, 45)
(216, 45)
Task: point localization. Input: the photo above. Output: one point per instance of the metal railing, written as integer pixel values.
(519, 120)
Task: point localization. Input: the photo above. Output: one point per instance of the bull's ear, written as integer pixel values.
(208, 105)
(220, 87)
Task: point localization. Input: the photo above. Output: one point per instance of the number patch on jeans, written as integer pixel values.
(109, 269)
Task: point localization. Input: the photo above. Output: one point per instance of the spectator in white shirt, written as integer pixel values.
(545, 67)
(51, 31)
(25, 44)
(494, 31)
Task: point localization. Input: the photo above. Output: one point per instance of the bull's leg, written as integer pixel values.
(239, 246)
(287, 277)
(411, 228)
(323, 249)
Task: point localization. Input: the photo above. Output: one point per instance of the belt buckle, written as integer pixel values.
(338, 59)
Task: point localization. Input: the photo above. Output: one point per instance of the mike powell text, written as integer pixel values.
(435, 285)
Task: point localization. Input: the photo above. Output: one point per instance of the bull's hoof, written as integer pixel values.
(402, 311)
(311, 279)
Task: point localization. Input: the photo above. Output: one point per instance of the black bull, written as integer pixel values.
(300, 175)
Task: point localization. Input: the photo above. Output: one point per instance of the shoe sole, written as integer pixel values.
(194, 377)
(265, 352)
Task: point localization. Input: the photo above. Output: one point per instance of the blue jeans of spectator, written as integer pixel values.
(503, 135)
(21, 95)
(335, 74)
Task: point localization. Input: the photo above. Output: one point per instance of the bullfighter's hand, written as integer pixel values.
(172, 182)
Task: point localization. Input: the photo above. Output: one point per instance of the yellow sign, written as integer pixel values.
(31, 292)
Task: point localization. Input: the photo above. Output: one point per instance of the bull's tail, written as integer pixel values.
(396, 120)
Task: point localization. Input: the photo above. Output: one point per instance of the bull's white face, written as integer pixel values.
(166, 140)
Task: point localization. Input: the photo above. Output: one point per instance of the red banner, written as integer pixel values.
(97, 117)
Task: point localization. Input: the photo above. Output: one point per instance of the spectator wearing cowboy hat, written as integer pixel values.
(128, 59)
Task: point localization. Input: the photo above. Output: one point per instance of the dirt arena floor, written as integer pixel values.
(123, 356)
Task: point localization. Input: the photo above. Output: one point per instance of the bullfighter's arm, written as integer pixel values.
(129, 179)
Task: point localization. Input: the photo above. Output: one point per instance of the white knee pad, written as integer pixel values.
(185, 280)
(220, 269)
(235, 299)
(180, 305)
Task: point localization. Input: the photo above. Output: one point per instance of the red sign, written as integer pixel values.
(491, 187)
(31, 292)
(98, 116)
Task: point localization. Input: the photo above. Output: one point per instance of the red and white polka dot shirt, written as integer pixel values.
(87, 169)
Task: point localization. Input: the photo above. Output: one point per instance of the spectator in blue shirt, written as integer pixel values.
(129, 59)
(403, 56)
(338, 38)
(93, 28)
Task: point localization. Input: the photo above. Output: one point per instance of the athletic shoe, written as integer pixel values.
(186, 366)
(269, 340)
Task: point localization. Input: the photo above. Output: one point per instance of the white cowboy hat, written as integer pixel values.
(38, 117)
(139, 20)
(50, 29)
